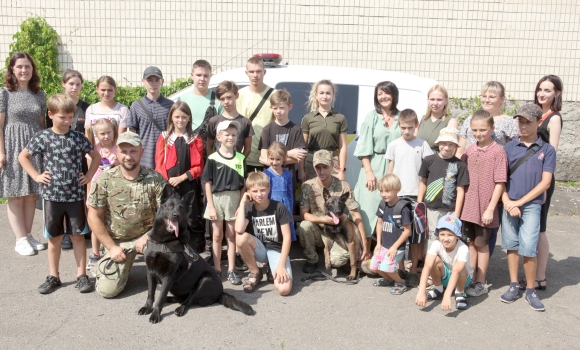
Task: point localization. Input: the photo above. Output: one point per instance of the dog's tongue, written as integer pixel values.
(175, 226)
(334, 218)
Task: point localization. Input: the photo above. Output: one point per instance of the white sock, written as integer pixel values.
(439, 288)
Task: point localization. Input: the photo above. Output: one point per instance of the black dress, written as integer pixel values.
(182, 166)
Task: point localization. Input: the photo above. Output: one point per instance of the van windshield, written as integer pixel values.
(346, 102)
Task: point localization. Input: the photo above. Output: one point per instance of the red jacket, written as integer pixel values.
(166, 157)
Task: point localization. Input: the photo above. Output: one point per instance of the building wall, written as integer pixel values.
(461, 43)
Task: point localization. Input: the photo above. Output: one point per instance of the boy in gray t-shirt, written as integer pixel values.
(405, 156)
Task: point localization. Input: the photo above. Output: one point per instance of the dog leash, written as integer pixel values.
(322, 276)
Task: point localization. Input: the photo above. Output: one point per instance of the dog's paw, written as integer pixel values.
(180, 311)
(155, 317)
(144, 310)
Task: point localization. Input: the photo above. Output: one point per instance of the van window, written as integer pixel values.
(346, 102)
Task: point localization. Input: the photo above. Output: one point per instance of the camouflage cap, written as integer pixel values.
(130, 138)
(322, 157)
(530, 111)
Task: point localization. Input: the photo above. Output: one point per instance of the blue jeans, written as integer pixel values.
(270, 256)
(522, 234)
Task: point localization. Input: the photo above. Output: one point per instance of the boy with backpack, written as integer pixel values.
(391, 238)
(531, 166)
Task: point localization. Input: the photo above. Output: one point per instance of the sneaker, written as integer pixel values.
(23, 247)
(240, 264)
(234, 278)
(36, 245)
(66, 242)
(460, 301)
(84, 284)
(535, 302)
(477, 289)
(510, 295)
(93, 260)
(49, 285)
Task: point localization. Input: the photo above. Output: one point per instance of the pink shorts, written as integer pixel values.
(382, 262)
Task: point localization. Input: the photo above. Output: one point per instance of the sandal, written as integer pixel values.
(403, 274)
(253, 285)
(381, 282)
(461, 302)
(430, 284)
(234, 278)
(434, 294)
(399, 288)
(523, 284)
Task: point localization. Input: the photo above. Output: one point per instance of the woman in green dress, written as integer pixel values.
(380, 127)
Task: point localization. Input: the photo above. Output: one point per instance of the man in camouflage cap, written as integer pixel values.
(122, 206)
(313, 213)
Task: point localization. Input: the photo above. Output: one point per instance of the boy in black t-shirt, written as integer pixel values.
(286, 132)
(264, 235)
(63, 190)
(443, 180)
(391, 239)
(227, 94)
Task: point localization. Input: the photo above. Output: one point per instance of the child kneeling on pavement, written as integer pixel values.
(263, 228)
(448, 263)
(391, 239)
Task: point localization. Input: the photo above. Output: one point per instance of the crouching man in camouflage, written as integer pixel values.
(313, 214)
(122, 205)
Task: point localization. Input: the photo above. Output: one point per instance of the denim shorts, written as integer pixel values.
(270, 256)
(522, 234)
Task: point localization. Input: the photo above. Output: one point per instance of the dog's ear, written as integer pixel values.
(344, 197)
(167, 193)
(325, 194)
(189, 198)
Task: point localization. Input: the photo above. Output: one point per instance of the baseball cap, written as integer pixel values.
(226, 124)
(448, 134)
(152, 70)
(451, 223)
(322, 157)
(130, 138)
(530, 111)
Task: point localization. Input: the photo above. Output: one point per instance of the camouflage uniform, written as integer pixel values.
(311, 235)
(130, 207)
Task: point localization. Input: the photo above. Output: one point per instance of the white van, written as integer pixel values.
(354, 98)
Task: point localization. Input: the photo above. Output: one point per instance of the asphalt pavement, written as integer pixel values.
(317, 315)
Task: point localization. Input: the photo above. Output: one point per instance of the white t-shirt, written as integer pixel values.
(120, 112)
(408, 156)
(460, 253)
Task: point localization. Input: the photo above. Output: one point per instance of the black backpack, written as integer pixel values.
(201, 130)
(419, 223)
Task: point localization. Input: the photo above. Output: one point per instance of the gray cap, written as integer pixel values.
(130, 138)
(530, 111)
(152, 70)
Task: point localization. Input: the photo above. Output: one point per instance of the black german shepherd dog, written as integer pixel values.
(171, 262)
(345, 233)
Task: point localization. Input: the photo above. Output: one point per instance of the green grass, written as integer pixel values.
(3, 200)
(569, 183)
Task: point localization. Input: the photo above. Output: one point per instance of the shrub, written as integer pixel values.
(470, 105)
(41, 42)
